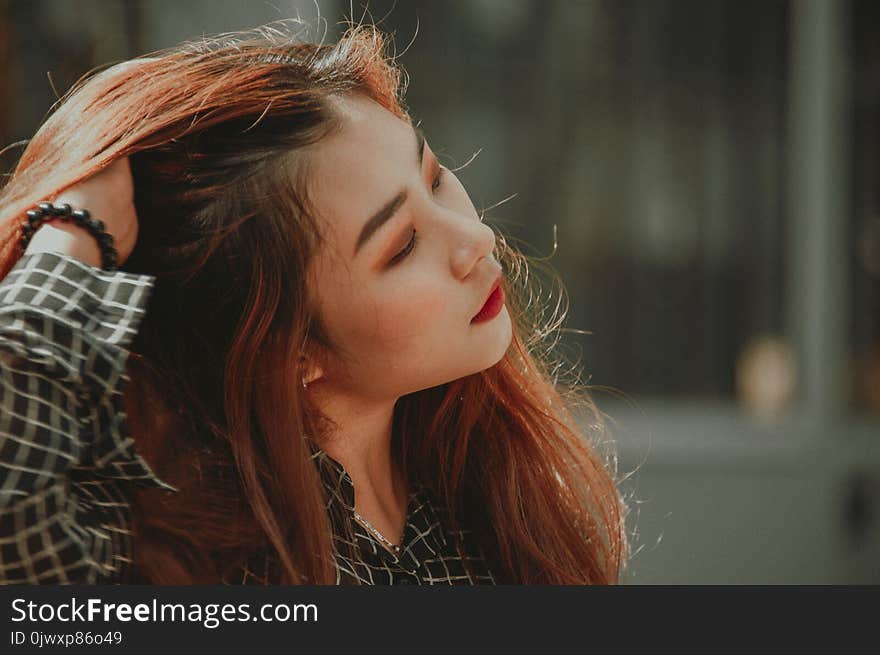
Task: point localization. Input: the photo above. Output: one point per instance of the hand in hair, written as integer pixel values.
(109, 197)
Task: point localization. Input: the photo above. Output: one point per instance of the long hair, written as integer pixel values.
(218, 131)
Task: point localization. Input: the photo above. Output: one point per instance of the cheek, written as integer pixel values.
(413, 316)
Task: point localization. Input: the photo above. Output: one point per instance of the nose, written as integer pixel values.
(473, 241)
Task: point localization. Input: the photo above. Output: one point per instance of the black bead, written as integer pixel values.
(45, 211)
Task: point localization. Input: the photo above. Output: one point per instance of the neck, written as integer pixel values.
(361, 443)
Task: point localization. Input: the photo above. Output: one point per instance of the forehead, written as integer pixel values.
(366, 118)
(358, 168)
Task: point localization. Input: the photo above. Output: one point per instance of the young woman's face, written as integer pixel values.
(408, 262)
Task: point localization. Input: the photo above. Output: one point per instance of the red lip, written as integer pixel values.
(493, 303)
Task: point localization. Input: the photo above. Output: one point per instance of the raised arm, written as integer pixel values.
(66, 458)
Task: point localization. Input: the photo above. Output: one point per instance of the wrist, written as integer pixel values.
(66, 239)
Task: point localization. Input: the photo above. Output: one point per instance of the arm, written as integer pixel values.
(65, 452)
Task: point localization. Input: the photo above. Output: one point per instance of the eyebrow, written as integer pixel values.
(382, 216)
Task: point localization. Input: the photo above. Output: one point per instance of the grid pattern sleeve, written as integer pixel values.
(65, 453)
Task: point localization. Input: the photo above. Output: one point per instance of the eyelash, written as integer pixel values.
(412, 242)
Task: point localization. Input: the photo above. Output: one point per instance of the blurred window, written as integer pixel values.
(865, 226)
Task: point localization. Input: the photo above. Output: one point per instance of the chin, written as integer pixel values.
(502, 330)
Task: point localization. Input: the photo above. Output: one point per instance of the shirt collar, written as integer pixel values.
(336, 480)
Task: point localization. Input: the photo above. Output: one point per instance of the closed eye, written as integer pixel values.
(406, 251)
(437, 179)
(412, 242)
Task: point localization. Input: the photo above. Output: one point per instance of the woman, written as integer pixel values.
(322, 380)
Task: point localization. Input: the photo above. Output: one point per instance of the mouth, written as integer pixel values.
(494, 302)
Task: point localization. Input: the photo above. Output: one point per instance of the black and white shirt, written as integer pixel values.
(68, 463)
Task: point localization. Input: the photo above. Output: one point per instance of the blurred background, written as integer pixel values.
(711, 169)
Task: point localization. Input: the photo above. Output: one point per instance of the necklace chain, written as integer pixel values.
(379, 535)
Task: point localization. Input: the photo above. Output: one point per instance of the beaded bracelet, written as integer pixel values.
(45, 212)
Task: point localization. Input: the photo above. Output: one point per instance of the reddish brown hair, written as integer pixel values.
(218, 132)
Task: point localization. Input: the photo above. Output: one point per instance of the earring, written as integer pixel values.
(305, 386)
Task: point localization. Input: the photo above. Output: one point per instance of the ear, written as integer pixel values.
(311, 370)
